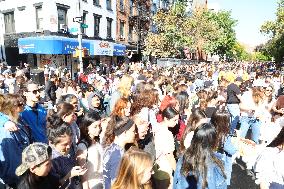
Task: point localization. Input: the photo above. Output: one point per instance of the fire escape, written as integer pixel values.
(140, 20)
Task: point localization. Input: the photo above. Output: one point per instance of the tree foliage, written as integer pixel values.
(202, 30)
(275, 31)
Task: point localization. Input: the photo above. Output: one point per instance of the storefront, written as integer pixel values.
(57, 51)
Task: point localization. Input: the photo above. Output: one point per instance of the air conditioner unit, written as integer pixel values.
(63, 27)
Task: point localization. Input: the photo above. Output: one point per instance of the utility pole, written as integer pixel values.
(80, 39)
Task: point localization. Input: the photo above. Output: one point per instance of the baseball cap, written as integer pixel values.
(33, 155)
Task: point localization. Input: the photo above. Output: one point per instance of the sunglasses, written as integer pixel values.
(35, 91)
(268, 90)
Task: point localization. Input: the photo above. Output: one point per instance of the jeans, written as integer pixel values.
(246, 123)
(234, 110)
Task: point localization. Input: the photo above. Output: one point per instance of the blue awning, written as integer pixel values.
(64, 45)
(49, 45)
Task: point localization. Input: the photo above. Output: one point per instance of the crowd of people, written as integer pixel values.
(142, 127)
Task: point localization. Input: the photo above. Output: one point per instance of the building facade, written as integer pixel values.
(59, 19)
(133, 23)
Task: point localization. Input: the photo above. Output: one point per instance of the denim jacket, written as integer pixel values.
(215, 178)
(11, 146)
(36, 120)
(226, 156)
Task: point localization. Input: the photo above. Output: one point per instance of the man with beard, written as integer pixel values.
(34, 115)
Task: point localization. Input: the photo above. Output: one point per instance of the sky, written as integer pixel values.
(251, 14)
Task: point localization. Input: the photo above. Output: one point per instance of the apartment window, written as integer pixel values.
(83, 30)
(130, 33)
(9, 22)
(131, 4)
(109, 25)
(97, 19)
(108, 4)
(96, 2)
(39, 18)
(62, 17)
(121, 29)
(121, 5)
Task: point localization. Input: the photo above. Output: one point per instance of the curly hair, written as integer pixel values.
(147, 98)
(119, 107)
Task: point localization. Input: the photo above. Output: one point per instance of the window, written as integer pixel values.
(109, 24)
(131, 7)
(83, 30)
(62, 17)
(9, 22)
(108, 4)
(97, 19)
(121, 5)
(130, 33)
(121, 29)
(96, 2)
(39, 18)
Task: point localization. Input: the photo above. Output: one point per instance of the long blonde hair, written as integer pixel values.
(131, 170)
(124, 86)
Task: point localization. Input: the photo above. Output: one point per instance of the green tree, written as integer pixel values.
(200, 31)
(275, 31)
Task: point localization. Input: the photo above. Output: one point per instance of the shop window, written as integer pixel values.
(9, 22)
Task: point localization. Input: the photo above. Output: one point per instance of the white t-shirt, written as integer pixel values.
(164, 144)
(269, 166)
(94, 164)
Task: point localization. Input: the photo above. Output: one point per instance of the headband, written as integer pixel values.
(125, 127)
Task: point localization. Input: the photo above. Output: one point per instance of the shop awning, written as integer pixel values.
(119, 50)
(49, 45)
(64, 45)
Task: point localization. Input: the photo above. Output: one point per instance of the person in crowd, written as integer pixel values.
(14, 137)
(165, 146)
(50, 89)
(35, 169)
(123, 90)
(196, 118)
(233, 101)
(119, 132)
(221, 120)
(90, 152)
(122, 108)
(252, 109)
(199, 167)
(63, 154)
(269, 165)
(34, 115)
(134, 171)
(278, 108)
(66, 112)
(95, 104)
